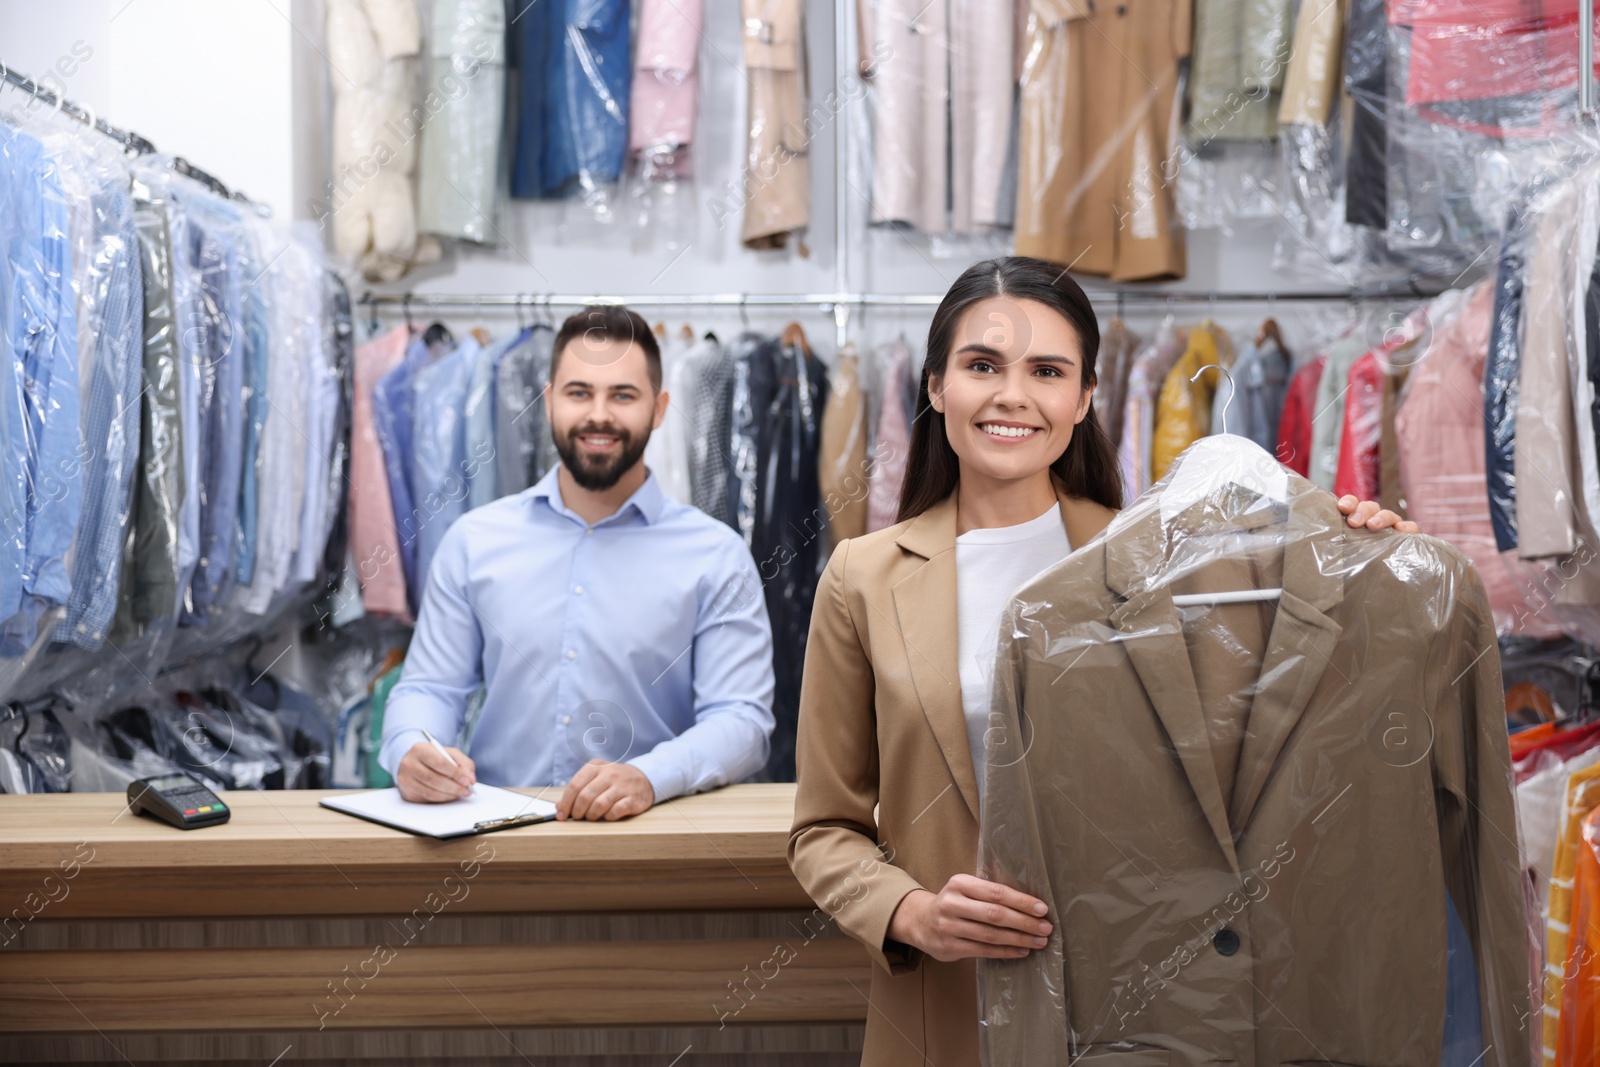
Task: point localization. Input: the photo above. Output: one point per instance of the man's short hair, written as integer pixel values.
(610, 322)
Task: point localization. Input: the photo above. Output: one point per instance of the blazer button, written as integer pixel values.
(1226, 941)
(1122, 9)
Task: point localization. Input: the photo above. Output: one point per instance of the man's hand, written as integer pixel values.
(605, 790)
(426, 776)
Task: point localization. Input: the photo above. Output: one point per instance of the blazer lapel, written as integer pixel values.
(925, 605)
(1153, 638)
(1297, 655)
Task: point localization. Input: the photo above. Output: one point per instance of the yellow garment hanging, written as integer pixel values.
(1183, 411)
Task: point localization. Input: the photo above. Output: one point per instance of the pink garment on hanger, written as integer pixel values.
(374, 542)
(665, 81)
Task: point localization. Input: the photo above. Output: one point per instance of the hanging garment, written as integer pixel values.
(439, 448)
(523, 445)
(213, 255)
(1366, 50)
(844, 477)
(1583, 797)
(1555, 490)
(1359, 470)
(1439, 430)
(1240, 723)
(892, 449)
(111, 325)
(1237, 71)
(1145, 380)
(394, 418)
(1183, 412)
(372, 513)
(478, 423)
(572, 129)
(912, 109)
(777, 168)
(981, 103)
(373, 50)
(461, 142)
(150, 570)
(1252, 400)
(1299, 407)
(1112, 367)
(671, 440)
(1099, 112)
(666, 86)
(320, 389)
(340, 334)
(1327, 420)
(711, 407)
(1311, 80)
(41, 349)
(256, 353)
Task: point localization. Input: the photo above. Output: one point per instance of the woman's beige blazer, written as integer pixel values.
(887, 799)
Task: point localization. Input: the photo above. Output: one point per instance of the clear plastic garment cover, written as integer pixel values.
(1245, 754)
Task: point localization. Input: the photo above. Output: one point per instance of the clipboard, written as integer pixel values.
(486, 809)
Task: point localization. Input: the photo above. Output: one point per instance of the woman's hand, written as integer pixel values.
(970, 916)
(1374, 516)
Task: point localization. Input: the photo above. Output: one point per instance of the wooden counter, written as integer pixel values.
(293, 925)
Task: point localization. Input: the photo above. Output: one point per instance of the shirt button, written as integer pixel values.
(565, 719)
(588, 531)
(571, 654)
(578, 589)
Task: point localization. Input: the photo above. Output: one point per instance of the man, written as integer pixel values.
(621, 637)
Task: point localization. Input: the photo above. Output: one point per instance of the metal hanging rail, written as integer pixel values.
(829, 301)
(127, 138)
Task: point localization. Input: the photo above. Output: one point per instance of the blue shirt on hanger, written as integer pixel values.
(393, 418)
(642, 638)
(439, 448)
(41, 477)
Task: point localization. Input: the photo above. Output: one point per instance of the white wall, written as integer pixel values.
(208, 81)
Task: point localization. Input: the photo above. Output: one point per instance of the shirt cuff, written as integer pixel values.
(395, 748)
(664, 773)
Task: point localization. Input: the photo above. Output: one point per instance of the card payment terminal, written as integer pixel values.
(177, 799)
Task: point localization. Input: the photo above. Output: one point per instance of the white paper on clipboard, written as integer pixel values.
(453, 818)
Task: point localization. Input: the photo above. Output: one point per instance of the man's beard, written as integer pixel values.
(594, 472)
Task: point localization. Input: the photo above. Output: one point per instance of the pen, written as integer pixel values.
(445, 754)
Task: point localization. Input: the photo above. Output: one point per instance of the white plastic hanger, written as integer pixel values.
(1212, 464)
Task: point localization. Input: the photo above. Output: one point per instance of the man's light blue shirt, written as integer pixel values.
(643, 639)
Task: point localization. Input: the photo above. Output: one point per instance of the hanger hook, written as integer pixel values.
(744, 315)
(405, 307)
(1232, 393)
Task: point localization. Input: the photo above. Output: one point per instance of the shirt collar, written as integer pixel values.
(648, 500)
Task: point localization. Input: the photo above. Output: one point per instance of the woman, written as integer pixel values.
(1008, 471)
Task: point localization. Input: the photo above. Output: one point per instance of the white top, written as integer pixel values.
(991, 565)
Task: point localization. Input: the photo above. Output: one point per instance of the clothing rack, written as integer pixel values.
(130, 141)
(827, 302)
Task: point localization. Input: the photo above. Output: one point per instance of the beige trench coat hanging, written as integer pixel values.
(1098, 173)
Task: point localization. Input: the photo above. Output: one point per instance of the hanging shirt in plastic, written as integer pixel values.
(461, 142)
(217, 324)
(1366, 54)
(708, 448)
(1201, 792)
(911, 110)
(777, 168)
(1113, 365)
(394, 418)
(668, 453)
(110, 328)
(1250, 403)
(372, 515)
(843, 461)
(254, 392)
(150, 573)
(439, 448)
(521, 431)
(1100, 106)
(1327, 421)
(572, 128)
(478, 416)
(41, 349)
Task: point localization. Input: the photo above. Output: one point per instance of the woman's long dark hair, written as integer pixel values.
(1088, 468)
